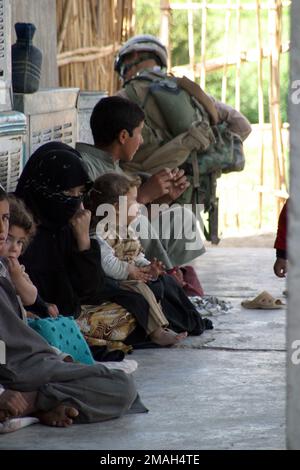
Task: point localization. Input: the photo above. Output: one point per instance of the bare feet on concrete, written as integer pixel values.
(166, 337)
(61, 416)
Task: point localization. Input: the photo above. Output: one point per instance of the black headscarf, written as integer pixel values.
(53, 168)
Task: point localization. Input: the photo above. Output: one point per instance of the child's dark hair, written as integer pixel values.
(3, 194)
(111, 115)
(21, 217)
(107, 189)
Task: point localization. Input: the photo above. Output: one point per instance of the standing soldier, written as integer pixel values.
(184, 126)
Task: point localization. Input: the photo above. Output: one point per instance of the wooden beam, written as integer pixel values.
(222, 6)
(86, 54)
(212, 65)
(64, 24)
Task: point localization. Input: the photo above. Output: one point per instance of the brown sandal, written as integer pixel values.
(263, 301)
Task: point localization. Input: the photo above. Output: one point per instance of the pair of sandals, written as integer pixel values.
(263, 301)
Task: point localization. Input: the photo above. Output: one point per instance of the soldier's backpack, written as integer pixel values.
(180, 103)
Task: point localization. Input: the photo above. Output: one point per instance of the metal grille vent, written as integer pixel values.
(61, 133)
(11, 167)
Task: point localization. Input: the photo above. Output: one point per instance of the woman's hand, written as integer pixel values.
(80, 223)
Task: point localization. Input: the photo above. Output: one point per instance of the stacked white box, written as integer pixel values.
(5, 56)
(51, 115)
(85, 105)
(12, 123)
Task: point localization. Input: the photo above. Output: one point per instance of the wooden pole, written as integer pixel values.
(93, 17)
(238, 94)
(64, 24)
(203, 44)
(226, 44)
(132, 18)
(279, 39)
(238, 61)
(89, 40)
(261, 112)
(275, 17)
(165, 15)
(191, 42)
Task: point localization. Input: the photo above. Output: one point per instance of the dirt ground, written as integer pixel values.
(258, 240)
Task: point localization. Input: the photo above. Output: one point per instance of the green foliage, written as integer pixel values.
(148, 21)
(148, 17)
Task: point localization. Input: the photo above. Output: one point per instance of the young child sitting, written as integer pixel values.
(123, 259)
(21, 230)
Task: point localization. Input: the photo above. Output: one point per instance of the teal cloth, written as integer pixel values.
(63, 333)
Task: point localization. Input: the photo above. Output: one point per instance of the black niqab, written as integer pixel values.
(53, 168)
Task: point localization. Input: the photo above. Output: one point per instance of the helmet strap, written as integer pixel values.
(126, 67)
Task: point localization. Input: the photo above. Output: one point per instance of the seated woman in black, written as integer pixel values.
(62, 261)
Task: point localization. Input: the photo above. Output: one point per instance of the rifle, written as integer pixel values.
(205, 192)
(213, 211)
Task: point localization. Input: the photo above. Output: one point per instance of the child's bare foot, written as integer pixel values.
(61, 416)
(166, 337)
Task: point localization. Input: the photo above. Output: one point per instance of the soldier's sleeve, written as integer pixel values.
(238, 123)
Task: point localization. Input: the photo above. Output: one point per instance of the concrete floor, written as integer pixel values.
(222, 390)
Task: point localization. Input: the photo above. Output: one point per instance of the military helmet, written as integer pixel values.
(142, 42)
